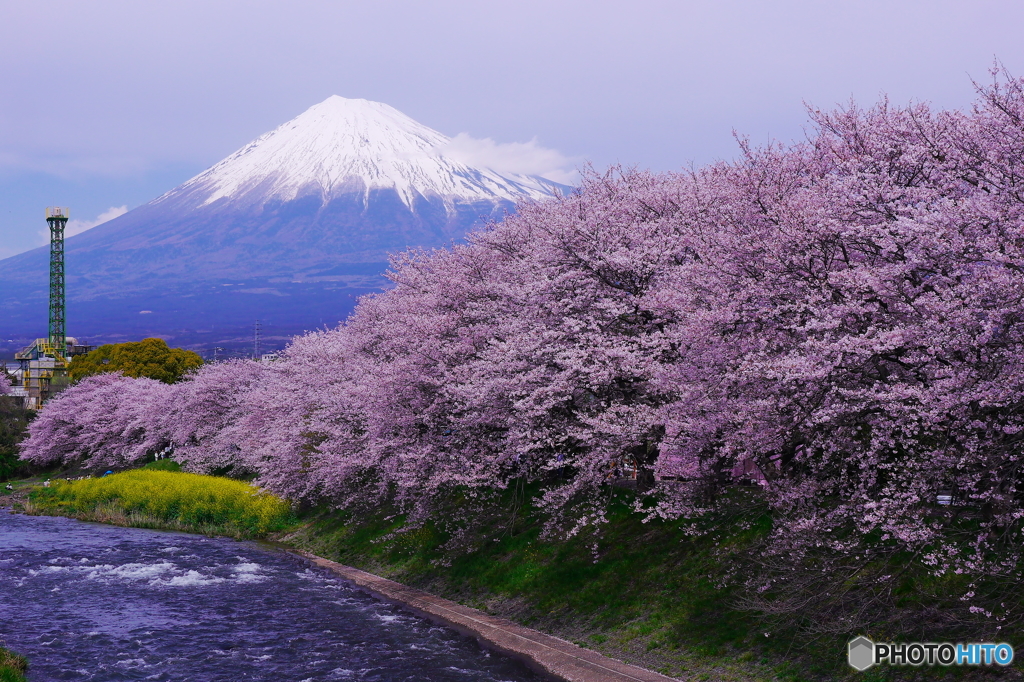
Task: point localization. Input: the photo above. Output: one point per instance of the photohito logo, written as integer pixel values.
(862, 653)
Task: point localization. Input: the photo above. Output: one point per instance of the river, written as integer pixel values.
(96, 603)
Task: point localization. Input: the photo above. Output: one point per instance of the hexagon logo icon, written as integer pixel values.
(861, 653)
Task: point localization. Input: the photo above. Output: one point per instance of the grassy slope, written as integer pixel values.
(12, 666)
(651, 597)
(652, 594)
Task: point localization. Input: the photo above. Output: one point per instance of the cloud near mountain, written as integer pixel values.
(76, 226)
(526, 158)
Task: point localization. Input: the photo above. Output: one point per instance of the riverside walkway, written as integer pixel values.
(545, 654)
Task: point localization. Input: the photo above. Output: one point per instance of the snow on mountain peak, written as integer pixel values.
(354, 145)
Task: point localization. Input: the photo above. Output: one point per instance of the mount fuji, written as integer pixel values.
(290, 229)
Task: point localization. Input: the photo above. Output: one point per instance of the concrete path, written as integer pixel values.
(543, 653)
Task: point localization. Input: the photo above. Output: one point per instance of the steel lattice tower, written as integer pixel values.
(57, 219)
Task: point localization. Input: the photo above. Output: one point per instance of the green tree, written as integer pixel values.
(14, 421)
(147, 358)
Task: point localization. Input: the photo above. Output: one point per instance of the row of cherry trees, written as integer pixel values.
(844, 315)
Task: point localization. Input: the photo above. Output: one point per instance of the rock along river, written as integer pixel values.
(97, 603)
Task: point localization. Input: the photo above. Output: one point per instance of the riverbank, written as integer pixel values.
(644, 597)
(634, 603)
(12, 666)
(550, 656)
(648, 594)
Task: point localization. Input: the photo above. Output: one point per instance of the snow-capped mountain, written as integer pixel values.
(341, 146)
(314, 206)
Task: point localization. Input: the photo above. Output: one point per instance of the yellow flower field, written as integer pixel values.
(169, 499)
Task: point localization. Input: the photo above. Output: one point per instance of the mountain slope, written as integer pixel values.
(321, 199)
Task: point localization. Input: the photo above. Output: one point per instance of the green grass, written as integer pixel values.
(651, 595)
(154, 498)
(163, 465)
(12, 666)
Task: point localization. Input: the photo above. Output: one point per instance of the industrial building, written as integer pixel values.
(42, 370)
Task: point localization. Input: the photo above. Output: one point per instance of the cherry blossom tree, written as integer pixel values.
(286, 417)
(106, 420)
(526, 353)
(202, 419)
(863, 328)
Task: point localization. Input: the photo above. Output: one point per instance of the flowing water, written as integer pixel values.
(99, 603)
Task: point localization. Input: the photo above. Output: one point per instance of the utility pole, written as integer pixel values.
(256, 341)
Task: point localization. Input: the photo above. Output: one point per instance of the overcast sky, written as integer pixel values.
(106, 105)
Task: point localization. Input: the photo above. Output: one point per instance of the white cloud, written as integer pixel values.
(76, 226)
(527, 158)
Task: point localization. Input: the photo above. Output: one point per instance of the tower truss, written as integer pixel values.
(57, 219)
